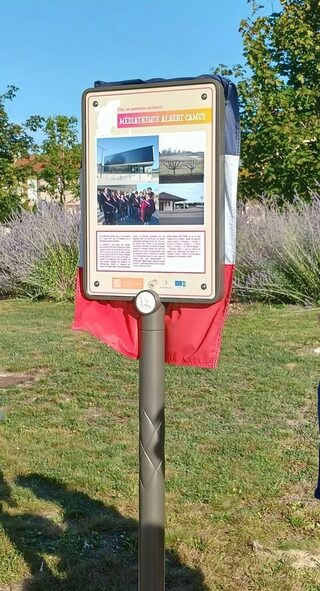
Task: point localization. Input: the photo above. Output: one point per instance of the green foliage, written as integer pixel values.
(54, 275)
(15, 143)
(60, 156)
(39, 253)
(280, 101)
(10, 202)
(278, 253)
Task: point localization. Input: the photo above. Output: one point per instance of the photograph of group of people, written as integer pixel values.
(150, 180)
(126, 206)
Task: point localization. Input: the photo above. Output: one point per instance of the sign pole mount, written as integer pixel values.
(151, 441)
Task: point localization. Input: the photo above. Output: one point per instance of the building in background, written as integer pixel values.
(33, 187)
(168, 202)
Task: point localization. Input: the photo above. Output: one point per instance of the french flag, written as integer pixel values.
(193, 331)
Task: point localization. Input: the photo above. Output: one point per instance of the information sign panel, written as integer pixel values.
(153, 187)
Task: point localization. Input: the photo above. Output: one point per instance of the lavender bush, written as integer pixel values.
(278, 253)
(39, 253)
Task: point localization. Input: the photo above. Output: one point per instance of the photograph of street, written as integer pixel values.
(181, 204)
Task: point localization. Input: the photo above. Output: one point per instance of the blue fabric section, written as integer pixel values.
(232, 126)
(232, 122)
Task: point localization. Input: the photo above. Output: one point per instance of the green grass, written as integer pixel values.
(241, 458)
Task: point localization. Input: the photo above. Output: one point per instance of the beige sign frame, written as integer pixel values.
(179, 253)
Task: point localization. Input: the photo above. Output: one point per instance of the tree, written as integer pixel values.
(15, 144)
(280, 101)
(173, 164)
(192, 163)
(60, 156)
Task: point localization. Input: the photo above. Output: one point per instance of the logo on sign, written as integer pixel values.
(179, 283)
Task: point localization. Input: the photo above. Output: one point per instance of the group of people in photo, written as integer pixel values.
(118, 206)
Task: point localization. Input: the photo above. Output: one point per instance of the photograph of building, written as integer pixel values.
(127, 160)
(168, 202)
(181, 204)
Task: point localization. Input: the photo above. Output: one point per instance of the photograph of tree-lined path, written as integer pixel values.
(181, 167)
(181, 157)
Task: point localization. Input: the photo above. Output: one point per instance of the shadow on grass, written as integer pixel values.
(317, 491)
(90, 547)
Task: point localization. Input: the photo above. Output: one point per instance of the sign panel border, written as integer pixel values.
(219, 218)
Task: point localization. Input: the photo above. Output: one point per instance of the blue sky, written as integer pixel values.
(54, 49)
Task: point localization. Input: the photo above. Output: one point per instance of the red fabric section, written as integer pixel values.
(115, 322)
(193, 332)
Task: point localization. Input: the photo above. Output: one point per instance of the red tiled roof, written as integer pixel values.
(35, 163)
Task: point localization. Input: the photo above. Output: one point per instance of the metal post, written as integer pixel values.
(151, 447)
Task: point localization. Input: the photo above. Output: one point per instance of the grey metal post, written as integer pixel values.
(151, 449)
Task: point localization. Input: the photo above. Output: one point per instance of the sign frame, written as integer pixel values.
(217, 241)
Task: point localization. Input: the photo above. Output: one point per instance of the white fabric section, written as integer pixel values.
(231, 182)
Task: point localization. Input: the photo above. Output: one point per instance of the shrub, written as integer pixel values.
(278, 257)
(39, 253)
(54, 274)
(278, 253)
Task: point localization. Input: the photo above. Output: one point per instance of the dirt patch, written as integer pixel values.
(15, 379)
(298, 559)
(301, 494)
(304, 416)
(290, 366)
(91, 413)
(302, 558)
(236, 309)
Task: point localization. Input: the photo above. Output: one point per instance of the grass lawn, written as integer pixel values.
(241, 458)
